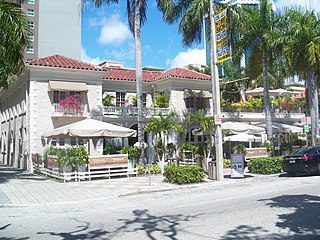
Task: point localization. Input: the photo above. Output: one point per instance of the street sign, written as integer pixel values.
(306, 128)
(308, 119)
(217, 119)
(237, 165)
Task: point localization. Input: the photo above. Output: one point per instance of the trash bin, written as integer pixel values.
(212, 173)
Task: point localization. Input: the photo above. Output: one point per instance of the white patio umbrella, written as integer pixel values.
(243, 137)
(90, 128)
(274, 92)
(239, 127)
(282, 128)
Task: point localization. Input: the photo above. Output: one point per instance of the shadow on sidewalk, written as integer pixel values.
(8, 173)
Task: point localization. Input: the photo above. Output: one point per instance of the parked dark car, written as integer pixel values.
(302, 161)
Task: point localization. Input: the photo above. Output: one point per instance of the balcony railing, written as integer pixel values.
(59, 110)
(133, 111)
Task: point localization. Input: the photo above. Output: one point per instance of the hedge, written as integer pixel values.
(183, 174)
(266, 165)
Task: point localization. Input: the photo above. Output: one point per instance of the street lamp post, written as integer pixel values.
(216, 110)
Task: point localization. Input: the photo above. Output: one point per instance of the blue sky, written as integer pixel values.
(106, 36)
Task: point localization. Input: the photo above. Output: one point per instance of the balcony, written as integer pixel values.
(133, 111)
(61, 111)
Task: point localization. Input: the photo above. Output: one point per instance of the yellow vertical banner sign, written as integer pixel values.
(223, 48)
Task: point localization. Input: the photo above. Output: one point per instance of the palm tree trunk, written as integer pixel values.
(266, 96)
(137, 40)
(313, 101)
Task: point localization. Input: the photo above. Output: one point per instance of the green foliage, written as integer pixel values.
(267, 145)
(133, 152)
(13, 39)
(251, 105)
(161, 100)
(155, 169)
(171, 148)
(195, 149)
(108, 100)
(226, 163)
(140, 170)
(267, 165)
(110, 148)
(239, 148)
(67, 156)
(50, 150)
(183, 174)
(134, 101)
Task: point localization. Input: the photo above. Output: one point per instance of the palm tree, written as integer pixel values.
(206, 126)
(161, 125)
(298, 37)
(13, 40)
(136, 11)
(253, 33)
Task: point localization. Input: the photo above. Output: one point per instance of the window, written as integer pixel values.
(144, 99)
(31, 1)
(120, 99)
(30, 49)
(30, 36)
(73, 141)
(30, 12)
(62, 142)
(30, 25)
(58, 95)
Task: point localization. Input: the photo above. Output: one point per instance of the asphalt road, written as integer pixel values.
(280, 208)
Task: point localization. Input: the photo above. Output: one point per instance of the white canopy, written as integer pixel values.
(242, 137)
(274, 92)
(282, 128)
(239, 127)
(90, 128)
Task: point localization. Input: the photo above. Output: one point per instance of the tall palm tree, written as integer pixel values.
(206, 126)
(136, 11)
(298, 37)
(162, 125)
(13, 40)
(257, 23)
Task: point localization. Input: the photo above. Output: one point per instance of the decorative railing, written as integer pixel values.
(133, 111)
(59, 110)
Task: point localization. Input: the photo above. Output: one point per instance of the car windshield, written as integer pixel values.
(304, 151)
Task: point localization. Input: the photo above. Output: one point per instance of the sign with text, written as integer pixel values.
(223, 48)
(237, 165)
(217, 119)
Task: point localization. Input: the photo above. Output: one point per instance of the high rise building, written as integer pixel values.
(55, 28)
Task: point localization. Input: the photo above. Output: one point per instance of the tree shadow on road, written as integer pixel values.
(166, 225)
(82, 231)
(304, 220)
(301, 223)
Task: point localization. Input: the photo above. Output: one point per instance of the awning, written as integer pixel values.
(196, 94)
(67, 86)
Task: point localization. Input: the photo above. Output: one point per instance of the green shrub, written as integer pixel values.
(227, 163)
(266, 165)
(183, 174)
(51, 150)
(109, 148)
(140, 170)
(133, 152)
(155, 168)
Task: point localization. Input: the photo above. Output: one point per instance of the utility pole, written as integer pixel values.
(216, 110)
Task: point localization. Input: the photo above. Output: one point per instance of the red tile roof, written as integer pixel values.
(153, 76)
(59, 61)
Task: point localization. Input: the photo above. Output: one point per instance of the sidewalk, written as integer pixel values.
(18, 188)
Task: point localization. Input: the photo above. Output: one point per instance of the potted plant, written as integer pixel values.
(133, 155)
(108, 100)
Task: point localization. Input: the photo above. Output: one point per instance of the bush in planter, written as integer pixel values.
(133, 152)
(226, 163)
(73, 157)
(183, 174)
(266, 165)
(51, 150)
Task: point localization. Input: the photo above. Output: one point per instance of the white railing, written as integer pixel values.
(59, 110)
(133, 111)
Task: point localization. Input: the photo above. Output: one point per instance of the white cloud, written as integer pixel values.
(86, 58)
(113, 31)
(309, 4)
(122, 54)
(191, 56)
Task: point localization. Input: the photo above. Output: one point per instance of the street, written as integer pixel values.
(277, 208)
